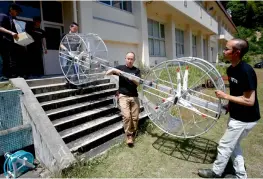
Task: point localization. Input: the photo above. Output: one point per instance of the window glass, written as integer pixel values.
(179, 41)
(194, 50)
(117, 4)
(127, 6)
(52, 38)
(4, 6)
(150, 27)
(52, 11)
(123, 5)
(155, 29)
(30, 8)
(106, 2)
(162, 31)
(150, 41)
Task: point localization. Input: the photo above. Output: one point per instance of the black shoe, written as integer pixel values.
(207, 173)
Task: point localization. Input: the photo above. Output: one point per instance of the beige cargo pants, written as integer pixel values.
(130, 109)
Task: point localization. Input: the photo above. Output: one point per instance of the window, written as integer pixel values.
(204, 49)
(4, 6)
(185, 3)
(116, 63)
(179, 42)
(194, 50)
(156, 38)
(53, 37)
(30, 8)
(123, 5)
(52, 11)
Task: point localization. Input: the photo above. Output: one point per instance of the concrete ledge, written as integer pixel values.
(50, 149)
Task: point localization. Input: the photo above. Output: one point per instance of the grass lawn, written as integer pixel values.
(157, 155)
(5, 86)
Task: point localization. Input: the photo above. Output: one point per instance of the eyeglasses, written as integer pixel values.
(226, 49)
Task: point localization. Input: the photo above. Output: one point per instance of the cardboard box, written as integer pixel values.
(24, 39)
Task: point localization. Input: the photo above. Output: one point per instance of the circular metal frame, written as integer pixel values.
(80, 56)
(178, 108)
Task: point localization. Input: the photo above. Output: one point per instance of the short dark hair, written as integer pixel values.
(15, 6)
(132, 53)
(74, 23)
(37, 18)
(241, 45)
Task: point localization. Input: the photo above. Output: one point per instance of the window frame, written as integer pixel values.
(159, 38)
(111, 5)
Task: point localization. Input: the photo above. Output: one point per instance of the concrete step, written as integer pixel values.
(58, 103)
(42, 97)
(48, 88)
(88, 139)
(106, 145)
(81, 130)
(46, 81)
(99, 137)
(80, 118)
(62, 79)
(77, 108)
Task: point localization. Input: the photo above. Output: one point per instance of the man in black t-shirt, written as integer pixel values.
(73, 40)
(128, 96)
(243, 109)
(11, 52)
(35, 50)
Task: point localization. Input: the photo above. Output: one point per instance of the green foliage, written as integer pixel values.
(253, 38)
(221, 69)
(247, 58)
(144, 69)
(255, 45)
(239, 11)
(246, 13)
(221, 58)
(243, 32)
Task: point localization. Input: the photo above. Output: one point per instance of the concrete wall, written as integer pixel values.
(197, 13)
(113, 31)
(117, 51)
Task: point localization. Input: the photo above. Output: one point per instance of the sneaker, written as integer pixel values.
(207, 173)
(129, 140)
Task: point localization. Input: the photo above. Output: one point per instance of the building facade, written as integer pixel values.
(155, 30)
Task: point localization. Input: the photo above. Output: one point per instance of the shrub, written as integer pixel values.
(247, 58)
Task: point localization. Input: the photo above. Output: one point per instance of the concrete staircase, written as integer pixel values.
(85, 118)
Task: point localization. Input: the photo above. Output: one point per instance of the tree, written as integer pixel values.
(239, 12)
(246, 13)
